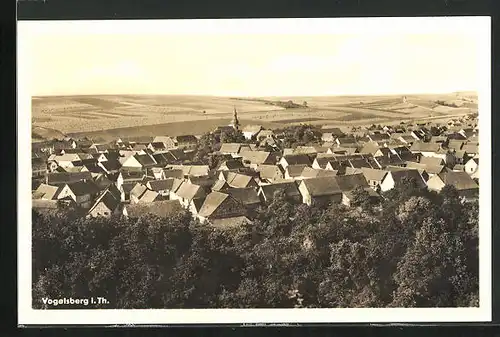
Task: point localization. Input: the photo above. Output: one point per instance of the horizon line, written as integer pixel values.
(265, 96)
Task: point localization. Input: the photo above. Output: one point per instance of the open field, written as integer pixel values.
(122, 115)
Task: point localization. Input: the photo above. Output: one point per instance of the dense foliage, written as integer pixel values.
(300, 135)
(413, 249)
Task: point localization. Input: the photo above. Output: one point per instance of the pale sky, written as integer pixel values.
(246, 63)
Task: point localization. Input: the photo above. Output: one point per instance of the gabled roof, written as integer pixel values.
(400, 174)
(257, 157)
(425, 147)
(290, 189)
(247, 196)
(212, 202)
(132, 175)
(148, 196)
(189, 191)
(295, 170)
(309, 172)
(67, 177)
(138, 190)
(145, 160)
(322, 186)
(432, 161)
(238, 180)
(111, 165)
(232, 164)
(203, 181)
(45, 191)
(108, 199)
(161, 185)
(297, 159)
(163, 209)
(157, 145)
(350, 182)
(269, 171)
(220, 185)
(432, 169)
(470, 148)
(230, 147)
(80, 188)
(460, 180)
(373, 174)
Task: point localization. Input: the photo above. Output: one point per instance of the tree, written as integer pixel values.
(304, 104)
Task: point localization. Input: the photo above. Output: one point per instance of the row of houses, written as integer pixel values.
(159, 177)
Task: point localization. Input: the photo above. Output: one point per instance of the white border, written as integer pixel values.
(479, 26)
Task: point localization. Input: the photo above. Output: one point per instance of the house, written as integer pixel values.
(65, 160)
(350, 182)
(407, 139)
(346, 141)
(106, 205)
(252, 131)
(247, 196)
(294, 159)
(204, 181)
(238, 180)
(187, 192)
(432, 161)
(322, 160)
(334, 131)
(464, 184)
(157, 147)
(471, 149)
(395, 176)
(38, 168)
(162, 187)
(378, 137)
(173, 173)
(309, 172)
(294, 171)
(233, 148)
(256, 158)
(321, 190)
(47, 192)
(220, 185)
(168, 142)
(269, 173)
(162, 209)
(472, 167)
(164, 158)
(218, 205)
(374, 177)
(81, 192)
(136, 192)
(266, 192)
(126, 176)
(62, 178)
(230, 165)
(263, 134)
(426, 170)
(187, 142)
(427, 149)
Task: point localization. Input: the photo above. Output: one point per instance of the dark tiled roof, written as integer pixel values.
(67, 177)
(322, 186)
(83, 187)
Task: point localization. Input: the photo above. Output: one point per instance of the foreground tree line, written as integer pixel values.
(412, 249)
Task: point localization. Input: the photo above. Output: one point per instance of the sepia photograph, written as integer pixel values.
(270, 170)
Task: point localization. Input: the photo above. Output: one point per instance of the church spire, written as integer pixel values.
(235, 123)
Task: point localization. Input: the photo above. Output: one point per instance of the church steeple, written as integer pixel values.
(235, 123)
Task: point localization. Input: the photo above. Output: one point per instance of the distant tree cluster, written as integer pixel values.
(412, 249)
(445, 103)
(300, 135)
